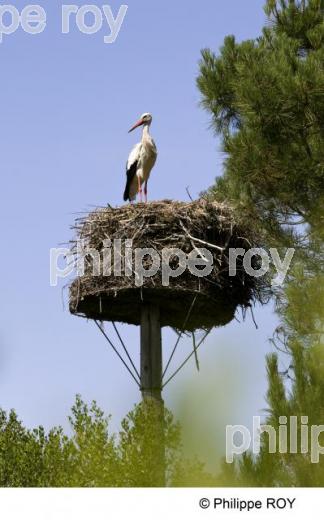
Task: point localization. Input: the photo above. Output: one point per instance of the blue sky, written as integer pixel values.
(67, 104)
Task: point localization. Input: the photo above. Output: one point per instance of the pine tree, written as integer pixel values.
(266, 99)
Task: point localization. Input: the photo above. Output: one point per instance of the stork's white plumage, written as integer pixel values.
(140, 162)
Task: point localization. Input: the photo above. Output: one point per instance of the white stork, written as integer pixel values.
(140, 162)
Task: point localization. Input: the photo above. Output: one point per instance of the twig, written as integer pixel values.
(255, 323)
(213, 246)
(188, 193)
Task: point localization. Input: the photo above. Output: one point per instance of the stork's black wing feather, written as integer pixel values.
(131, 172)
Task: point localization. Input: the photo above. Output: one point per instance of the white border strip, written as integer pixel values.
(157, 504)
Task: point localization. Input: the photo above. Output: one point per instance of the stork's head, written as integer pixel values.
(145, 119)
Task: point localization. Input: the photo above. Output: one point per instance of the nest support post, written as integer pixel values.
(151, 353)
(151, 383)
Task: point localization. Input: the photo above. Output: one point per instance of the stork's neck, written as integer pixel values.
(146, 133)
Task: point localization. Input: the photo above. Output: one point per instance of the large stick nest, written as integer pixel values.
(189, 302)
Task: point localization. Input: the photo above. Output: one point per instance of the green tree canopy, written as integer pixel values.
(91, 456)
(266, 99)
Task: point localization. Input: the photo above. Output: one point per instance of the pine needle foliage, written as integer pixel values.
(266, 102)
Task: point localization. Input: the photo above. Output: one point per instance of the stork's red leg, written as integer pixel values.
(145, 191)
(140, 189)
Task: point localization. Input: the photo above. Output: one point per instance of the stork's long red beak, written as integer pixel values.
(139, 123)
